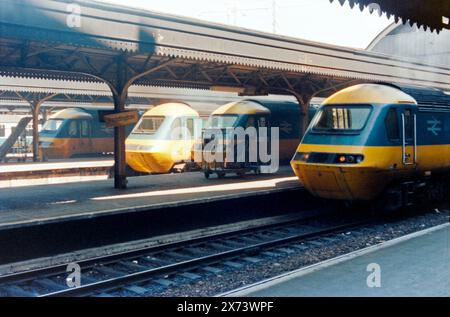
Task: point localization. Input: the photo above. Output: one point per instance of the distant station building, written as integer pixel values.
(411, 42)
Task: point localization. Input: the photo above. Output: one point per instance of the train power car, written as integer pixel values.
(163, 139)
(378, 142)
(252, 113)
(76, 132)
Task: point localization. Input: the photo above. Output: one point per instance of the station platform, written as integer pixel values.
(46, 204)
(415, 265)
(26, 174)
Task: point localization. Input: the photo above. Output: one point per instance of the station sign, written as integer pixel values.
(121, 119)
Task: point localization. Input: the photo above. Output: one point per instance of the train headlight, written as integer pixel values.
(300, 156)
(349, 159)
(328, 158)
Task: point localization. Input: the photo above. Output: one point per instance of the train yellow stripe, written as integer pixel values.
(428, 156)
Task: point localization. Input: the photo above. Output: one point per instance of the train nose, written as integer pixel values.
(323, 182)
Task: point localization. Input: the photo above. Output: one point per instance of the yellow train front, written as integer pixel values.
(163, 139)
(377, 140)
(76, 132)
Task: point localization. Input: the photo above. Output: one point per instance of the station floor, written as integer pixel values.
(31, 205)
(416, 266)
(48, 166)
(13, 175)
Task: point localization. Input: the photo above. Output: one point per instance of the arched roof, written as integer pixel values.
(241, 107)
(172, 109)
(370, 94)
(72, 113)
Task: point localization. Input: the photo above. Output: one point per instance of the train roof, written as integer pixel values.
(428, 99)
(172, 109)
(72, 113)
(241, 107)
(370, 94)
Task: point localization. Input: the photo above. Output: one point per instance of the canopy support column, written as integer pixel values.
(36, 103)
(120, 93)
(303, 100)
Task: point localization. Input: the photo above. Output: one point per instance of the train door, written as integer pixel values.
(86, 142)
(263, 122)
(409, 137)
(72, 148)
(182, 129)
(190, 129)
(401, 132)
(252, 123)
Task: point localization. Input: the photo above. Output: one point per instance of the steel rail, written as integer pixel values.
(139, 277)
(108, 259)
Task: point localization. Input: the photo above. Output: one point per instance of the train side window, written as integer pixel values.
(85, 129)
(73, 128)
(409, 125)
(392, 127)
(262, 123)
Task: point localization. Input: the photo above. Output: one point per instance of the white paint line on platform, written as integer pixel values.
(247, 290)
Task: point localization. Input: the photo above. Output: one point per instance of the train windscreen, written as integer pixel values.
(222, 122)
(341, 118)
(52, 125)
(149, 125)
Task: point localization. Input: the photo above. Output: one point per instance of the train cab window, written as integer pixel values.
(222, 122)
(341, 118)
(52, 125)
(73, 128)
(392, 126)
(149, 125)
(409, 124)
(85, 129)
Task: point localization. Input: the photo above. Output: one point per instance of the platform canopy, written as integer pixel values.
(429, 14)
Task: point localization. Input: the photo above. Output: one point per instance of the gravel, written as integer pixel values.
(279, 261)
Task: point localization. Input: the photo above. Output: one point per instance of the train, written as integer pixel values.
(163, 139)
(284, 115)
(76, 132)
(169, 136)
(378, 142)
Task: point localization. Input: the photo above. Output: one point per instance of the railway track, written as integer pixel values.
(134, 273)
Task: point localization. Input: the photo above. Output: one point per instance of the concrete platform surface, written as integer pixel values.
(55, 172)
(49, 166)
(52, 203)
(418, 265)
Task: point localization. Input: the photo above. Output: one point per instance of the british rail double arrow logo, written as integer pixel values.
(434, 126)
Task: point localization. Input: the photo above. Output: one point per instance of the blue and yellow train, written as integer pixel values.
(76, 132)
(377, 142)
(163, 139)
(284, 115)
